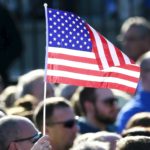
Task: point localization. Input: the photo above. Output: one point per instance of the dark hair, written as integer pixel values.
(51, 104)
(134, 143)
(87, 94)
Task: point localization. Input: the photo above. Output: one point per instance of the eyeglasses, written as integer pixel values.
(33, 138)
(110, 101)
(67, 124)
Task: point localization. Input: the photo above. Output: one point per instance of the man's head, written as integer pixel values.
(100, 104)
(104, 136)
(136, 131)
(33, 83)
(92, 145)
(17, 133)
(141, 119)
(60, 122)
(134, 143)
(135, 37)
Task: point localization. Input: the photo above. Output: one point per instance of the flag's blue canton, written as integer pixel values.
(67, 30)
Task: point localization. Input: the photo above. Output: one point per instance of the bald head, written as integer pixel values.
(14, 127)
(33, 83)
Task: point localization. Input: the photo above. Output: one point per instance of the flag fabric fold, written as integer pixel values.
(79, 55)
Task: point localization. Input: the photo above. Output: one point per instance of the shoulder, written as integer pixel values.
(126, 113)
(85, 127)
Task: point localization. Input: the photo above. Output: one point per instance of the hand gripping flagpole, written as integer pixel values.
(45, 84)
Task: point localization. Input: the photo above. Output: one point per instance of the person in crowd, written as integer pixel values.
(92, 145)
(42, 144)
(99, 109)
(136, 131)
(19, 133)
(82, 138)
(2, 113)
(61, 124)
(141, 119)
(101, 136)
(28, 101)
(75, 101)
(33, 83)
(140, 102)
(105, 136)
(23, 106)
(135, 37)
(68, 91)
(11, 46)
(7, 96)
(134, 143)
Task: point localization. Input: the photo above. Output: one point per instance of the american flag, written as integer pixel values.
(77, 54)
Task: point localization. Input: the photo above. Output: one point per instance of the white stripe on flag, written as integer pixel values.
(71, 52)
(113, 53)
(83, 77)
(127, 60)
(128, 72)
(100, 48)
(72, 63)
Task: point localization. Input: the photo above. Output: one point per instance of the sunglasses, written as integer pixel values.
(110, 101)
(33, 138)
(67, 124)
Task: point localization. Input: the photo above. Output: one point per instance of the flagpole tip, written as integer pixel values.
(45, 4)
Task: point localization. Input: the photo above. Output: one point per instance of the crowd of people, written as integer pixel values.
(80, 118)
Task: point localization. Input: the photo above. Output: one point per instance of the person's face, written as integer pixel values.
(62, 136)
(29, 135)
(105, 107)
(135, 44)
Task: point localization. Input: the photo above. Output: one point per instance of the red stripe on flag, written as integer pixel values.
(72, 58)
(106, 51)
(120, 56)
(94, 48)
(131, 67)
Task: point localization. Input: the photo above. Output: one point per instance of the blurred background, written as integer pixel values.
(106, 16)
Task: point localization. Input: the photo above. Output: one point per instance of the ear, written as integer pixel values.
(12, 146)
(49, 132)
